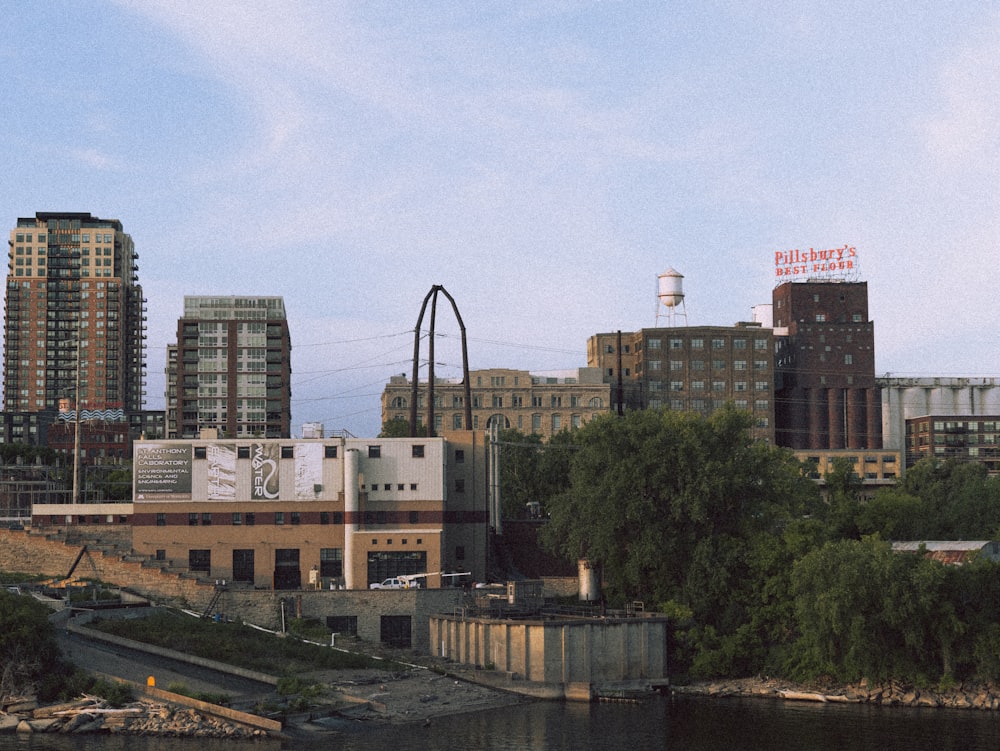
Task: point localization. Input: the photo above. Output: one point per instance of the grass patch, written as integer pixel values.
(234, 644)
(115, 693)
(222, 700)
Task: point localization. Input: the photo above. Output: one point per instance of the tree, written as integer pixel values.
(648, 490)
(399, 427)
(30, 661)
(864, 611)
(520, 471)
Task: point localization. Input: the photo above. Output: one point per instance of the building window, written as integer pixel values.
(287, 452)
(338, 517)
(331, 562)
(200, 560)
(374, 452)
(652, 344)
(161, 520)
(330, 452)
(237, 519)
(192, 519)
(296, 517)
(343, 624)
(459, 484)
(251, 518)
(279, 517)
(324, 517)
(676, 344)
(418, 451)
(200, 452)
(848, 359)
(459, 456)
(556, 423)
(718, 344)
(414, 517)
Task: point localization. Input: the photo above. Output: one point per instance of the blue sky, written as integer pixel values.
(543, 161)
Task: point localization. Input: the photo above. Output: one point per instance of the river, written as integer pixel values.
(680, 724)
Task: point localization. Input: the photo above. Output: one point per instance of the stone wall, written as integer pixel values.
(35, 553)
(32, 553)
(368, 607)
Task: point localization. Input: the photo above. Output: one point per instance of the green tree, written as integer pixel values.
(962, 501)
(399, 427)
(521, 479)
(30, 661)
(843, 491)
(865, 612)
(655, 496)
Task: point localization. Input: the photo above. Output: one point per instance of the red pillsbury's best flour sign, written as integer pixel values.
(813, 262)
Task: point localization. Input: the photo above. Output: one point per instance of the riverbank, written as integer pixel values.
(982, 696)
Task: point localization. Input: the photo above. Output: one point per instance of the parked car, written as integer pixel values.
(395, 583)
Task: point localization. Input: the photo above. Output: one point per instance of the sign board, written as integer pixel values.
(162, 472)
(830, 262)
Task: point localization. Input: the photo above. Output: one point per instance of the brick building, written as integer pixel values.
(690, 368)
(826, 396)
(529, 402)
(267, 512)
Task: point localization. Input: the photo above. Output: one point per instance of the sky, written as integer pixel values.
(542, 161)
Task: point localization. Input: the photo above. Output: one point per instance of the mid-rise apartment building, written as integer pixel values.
(530, 402)
(961, 438)
(691, 369)
(230, 369)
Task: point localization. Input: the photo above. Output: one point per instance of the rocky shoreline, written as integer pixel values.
(982, 696)
(90, 715)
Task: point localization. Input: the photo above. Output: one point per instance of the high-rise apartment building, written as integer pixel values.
(826, 397)
(75, 317)
(230, 370)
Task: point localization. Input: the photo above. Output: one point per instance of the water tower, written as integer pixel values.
(670, 297)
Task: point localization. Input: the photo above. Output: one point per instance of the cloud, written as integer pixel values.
(965, 132)
(95, 159)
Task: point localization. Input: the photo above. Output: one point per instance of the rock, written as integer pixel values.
(8, 722)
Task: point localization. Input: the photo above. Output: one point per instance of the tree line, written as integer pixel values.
(760, 572)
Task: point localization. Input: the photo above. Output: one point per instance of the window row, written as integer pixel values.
(279, 518)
